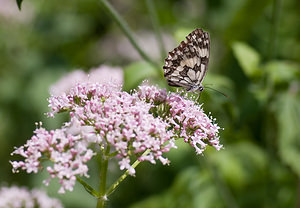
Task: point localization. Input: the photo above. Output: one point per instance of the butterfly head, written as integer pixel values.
(195, 88)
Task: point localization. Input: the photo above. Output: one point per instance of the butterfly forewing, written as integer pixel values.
(186, 65)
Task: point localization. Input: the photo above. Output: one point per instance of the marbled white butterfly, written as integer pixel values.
(186, 65)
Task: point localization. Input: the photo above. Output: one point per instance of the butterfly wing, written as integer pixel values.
(186, 65)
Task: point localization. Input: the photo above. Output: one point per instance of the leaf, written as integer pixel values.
(192, 188)
(135, 73)
(19, 3)
(240, 164)
(248, 58)
(281, 71)
(181, 33)
(220, 83)
(287, 110)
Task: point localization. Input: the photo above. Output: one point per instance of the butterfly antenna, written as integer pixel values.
(218, 91)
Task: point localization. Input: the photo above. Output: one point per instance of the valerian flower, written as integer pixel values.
(21, 197)
(124, 125)
(186, 119)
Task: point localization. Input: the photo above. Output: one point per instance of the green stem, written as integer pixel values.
(155, 22)
(274, 29)
(125, 28)
(88, 188)
(103, 173)
(271, 53)
(113, 187)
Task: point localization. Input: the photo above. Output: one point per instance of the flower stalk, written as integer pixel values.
(113, 187)
(274, 29)
(103, 176)
(129, 34)
(156, 26)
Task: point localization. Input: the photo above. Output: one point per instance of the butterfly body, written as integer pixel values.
(187, 64)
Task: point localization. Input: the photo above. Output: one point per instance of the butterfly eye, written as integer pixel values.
(201, 88)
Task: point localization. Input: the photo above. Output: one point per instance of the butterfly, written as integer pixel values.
(186, 65)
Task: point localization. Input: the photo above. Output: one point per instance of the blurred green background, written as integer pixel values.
(255, 56)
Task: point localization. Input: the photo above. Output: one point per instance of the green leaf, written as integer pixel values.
(281, 71)
(240, 164)
(135, 73)
(248, 58)
(19, 3)
(192, 188)
(181, 33)
(219, 82)
(287, 110)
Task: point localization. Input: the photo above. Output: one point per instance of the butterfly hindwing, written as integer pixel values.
(186, 65)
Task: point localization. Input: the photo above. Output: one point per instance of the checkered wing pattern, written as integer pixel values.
(186, 65)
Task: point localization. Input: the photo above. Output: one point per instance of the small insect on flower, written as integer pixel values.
(186, 65)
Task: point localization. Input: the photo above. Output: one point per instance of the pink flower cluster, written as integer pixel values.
(67, 149)
(21, 197)
(186, 119)
(125, 124)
